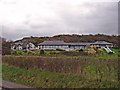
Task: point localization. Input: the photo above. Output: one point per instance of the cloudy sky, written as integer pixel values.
(20, 18)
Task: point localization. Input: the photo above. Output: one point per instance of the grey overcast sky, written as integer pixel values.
(20, 18)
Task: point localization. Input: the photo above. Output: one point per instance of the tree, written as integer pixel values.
(6, 47)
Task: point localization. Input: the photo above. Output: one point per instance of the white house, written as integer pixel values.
(101, 44)
(16, 46)
(71, 46)
(29, 46)
(23, 46)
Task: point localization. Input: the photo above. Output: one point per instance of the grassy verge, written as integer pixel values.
(46, 79)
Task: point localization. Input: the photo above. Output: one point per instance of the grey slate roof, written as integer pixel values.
(61, 43)
(24, 44)
(55, 42)
(16, 44)
(84, 44)
(102, 42)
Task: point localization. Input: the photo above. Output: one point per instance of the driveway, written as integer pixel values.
(10, 85)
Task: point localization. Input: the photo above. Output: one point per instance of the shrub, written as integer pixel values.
(91, 51)
(31, 52)
(81, 50)
(42, 52)
(17, 52)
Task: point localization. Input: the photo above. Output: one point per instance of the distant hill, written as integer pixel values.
(73, 38)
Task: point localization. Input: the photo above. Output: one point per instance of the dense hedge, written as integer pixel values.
(92, 70)
(72, 65)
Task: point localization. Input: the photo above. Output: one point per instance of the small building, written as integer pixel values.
(28, 46)
(101, 44)
(23, 46)
(16, 46)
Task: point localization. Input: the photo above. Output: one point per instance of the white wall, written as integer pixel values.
(30, 46)
(54, 47)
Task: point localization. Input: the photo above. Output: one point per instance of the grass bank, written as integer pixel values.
(46, 79)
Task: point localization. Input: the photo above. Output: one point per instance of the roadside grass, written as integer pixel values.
(45, 79)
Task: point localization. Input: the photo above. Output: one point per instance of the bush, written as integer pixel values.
(81, 50)
(17, 52)
(42, 52)
(31, 52)
(91, 51)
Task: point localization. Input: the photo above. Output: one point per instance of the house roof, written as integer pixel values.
(55, 42)
(61, 43)
(101, 42)
(24, 44)
(16, 44)
(84, 44)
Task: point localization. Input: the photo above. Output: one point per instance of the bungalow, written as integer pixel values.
(23, 46)
(71, 46)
